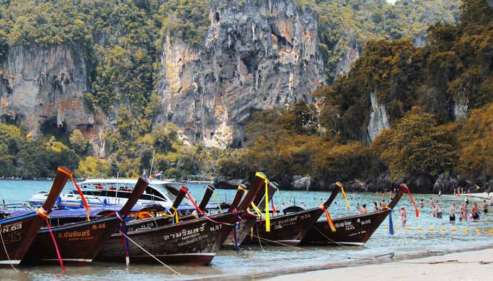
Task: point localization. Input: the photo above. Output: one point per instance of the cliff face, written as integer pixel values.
(42, 88)
(257, 55)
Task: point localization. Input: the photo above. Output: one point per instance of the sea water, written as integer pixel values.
(423, 234)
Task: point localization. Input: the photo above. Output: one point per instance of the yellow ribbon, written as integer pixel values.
(267, 210)
(177, 218)
(344, 195)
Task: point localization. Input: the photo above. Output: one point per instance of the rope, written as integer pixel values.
(123, 229)
(279, 243)
(328, 239)
(258, 237)
(7, 252)
(151, 255)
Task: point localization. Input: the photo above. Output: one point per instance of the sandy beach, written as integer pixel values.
(465, 266)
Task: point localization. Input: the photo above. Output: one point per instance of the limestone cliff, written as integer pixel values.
(42, 88)
(256, 55)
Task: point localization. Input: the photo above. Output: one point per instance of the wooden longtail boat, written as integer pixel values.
(351, 230)
(80, 242)
(192, 241)
(288, 228)
(236, 238)
(17, 233)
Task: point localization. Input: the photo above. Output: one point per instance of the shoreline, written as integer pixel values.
(459, 266)
(379, 260)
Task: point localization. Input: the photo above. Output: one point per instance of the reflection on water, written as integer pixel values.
(423, 234)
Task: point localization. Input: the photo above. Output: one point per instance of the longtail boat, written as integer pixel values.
(189, 241)
(236, 238)
(288, 228)
(80, 242)
(353, 230)
(18, 232)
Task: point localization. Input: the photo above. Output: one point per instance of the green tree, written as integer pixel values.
(476, 148)
(417, 145)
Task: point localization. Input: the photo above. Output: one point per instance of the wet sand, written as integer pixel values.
(465, 266)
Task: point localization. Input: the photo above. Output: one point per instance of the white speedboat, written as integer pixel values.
(480, 195)
(105, 192)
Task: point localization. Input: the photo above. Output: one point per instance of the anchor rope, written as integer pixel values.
(328, 239)
(123, 229)
(150, 254)
(278, 243)
(7, 252)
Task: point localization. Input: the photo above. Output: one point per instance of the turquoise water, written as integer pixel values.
(423, 234)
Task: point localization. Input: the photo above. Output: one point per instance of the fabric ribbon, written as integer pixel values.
(175, 213)
(330, 222)
(344, 195)
(53, 239)
(413, 202)
(82, 198)
(391, 223)
(194, 203)
(267, 210)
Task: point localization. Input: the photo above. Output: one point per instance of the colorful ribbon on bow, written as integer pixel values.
(43, 215)
(330, 222)
(194, 203)
(82, 198)
(413, 202)
(391, 223)
(267, 210)
(344, 195)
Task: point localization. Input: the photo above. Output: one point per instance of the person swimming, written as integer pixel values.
(363, 210)
(485, 207)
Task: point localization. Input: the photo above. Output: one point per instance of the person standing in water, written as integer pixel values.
(475, 211)
(485, 207)
(438, 211)
(375, 205)
(452, 213)
(403, 216)
(463, 212)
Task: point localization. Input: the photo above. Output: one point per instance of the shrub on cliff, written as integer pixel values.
(416, 145)
(476, 147)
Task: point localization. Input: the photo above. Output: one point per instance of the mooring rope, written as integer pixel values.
(6, 252)
(328, 239)
(278, 243)
(151, 255)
